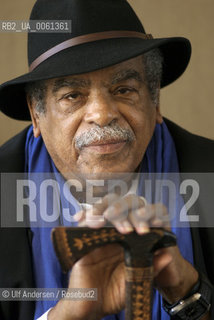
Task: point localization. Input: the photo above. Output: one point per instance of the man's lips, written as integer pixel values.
(105, 147)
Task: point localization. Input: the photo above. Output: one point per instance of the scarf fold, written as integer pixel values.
(160, 158)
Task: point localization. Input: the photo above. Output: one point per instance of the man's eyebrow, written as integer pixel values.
(127, 74)
(71, 83)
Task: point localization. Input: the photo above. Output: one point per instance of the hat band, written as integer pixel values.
(85, 39)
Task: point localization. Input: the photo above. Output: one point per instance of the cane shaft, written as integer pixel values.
(138, 293)
(71, 244)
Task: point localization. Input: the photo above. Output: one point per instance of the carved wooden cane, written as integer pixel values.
(71, 244)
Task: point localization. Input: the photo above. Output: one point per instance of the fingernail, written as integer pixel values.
(142, 228)
(127, 226)
(157, 223)
(78, 216)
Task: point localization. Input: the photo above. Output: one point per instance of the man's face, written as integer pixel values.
(98, 122)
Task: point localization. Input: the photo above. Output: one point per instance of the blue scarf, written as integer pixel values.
(160, 158)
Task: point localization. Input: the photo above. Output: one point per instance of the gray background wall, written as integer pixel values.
(189, 101)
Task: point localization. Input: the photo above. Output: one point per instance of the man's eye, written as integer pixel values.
(124, 91)
(72, 96)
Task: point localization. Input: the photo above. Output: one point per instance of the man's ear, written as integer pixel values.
(159, 118)
(34, 117)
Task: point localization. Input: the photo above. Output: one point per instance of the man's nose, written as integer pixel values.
(101, 110)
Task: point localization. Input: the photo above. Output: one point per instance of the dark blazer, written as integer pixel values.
(195, 154)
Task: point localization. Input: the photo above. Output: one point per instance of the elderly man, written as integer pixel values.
(93, 97)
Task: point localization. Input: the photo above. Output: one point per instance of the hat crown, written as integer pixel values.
(87, 16)
(104, 33)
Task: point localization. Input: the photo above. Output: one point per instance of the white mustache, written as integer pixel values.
(98, 134)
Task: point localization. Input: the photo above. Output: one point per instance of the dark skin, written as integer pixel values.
(73, 105)
(117, 94)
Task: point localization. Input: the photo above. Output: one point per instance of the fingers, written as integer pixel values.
(94, 217)
(120, 212)
(125, 214)
(162, 259)
(156, 216)
(131, 213)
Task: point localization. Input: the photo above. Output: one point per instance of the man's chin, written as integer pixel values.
(99, 184)
(99, 173)
(103, 178)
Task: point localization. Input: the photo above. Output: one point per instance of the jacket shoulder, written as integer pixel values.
(12, 153)
(195, 153)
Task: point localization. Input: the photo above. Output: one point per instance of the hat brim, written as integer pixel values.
(91, 57)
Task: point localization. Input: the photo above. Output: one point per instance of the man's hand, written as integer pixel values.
(104, 267)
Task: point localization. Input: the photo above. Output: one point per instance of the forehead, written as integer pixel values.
(129, 69)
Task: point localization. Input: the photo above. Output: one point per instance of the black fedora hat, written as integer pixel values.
(104, 33)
